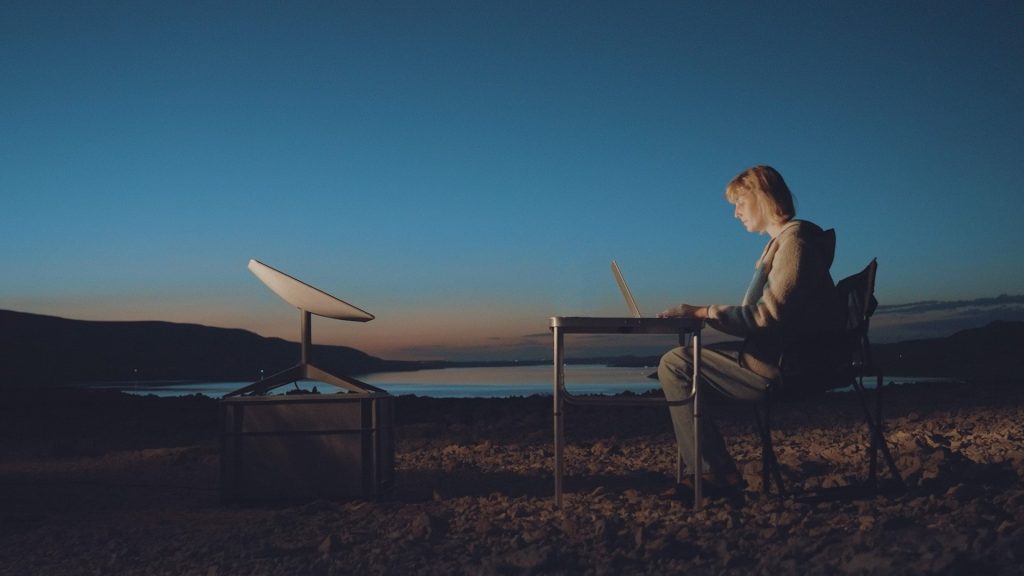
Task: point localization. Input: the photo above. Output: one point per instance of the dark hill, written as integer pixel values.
(992, 352)
(49, 350)
(39, 349)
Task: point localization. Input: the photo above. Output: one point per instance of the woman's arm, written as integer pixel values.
(770, 296)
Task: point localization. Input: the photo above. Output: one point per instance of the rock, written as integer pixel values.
(483, 526)
(866, 522)
(531, 558)
(570, 526)
(639, 536)
(602, 447)
(962, 492)
(607, 529)
(425, 526)
(531, 536)
(867, 563)
(330, 545)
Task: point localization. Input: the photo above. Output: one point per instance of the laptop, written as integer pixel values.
(625, 290)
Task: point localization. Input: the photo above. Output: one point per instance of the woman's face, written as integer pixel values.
(749, 212)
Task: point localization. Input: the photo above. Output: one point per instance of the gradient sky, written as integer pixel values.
(464, 170)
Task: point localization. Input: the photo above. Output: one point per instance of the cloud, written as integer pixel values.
(531, 347)
(936, 319)
(935, 305)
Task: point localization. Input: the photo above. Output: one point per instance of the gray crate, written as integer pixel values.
(307, 446)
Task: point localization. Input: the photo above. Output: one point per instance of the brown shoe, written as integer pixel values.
(731, 492)
(728, 479)
(680, 492)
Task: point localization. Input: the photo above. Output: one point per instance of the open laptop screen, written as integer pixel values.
(625, 290)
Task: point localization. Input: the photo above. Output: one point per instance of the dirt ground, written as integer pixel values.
(104, 483)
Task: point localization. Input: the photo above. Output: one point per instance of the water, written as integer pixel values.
(499, 382)
(870, 381)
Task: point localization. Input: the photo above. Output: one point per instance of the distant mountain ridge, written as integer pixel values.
(47, 350)
(994, 352)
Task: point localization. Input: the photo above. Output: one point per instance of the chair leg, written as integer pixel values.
(877, 435)
(876, 432)
(879, 426)
(769, 464)
(765, 450)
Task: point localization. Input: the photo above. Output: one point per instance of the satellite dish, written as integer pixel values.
(306, 297)
(309, 301)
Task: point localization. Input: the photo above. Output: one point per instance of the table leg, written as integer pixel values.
(697, 469)
(558, 407)
(680, 462)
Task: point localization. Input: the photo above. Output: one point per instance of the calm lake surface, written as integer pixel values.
(499, 382)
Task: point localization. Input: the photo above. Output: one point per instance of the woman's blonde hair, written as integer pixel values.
(768, 187)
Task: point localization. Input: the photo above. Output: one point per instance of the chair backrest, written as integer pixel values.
(828, 360)
(856, 294)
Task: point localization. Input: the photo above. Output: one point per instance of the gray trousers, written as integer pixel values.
(720, 373)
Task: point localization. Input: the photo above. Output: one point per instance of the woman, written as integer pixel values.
(790, 294)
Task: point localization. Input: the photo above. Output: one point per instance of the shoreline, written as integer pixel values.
(442, 383)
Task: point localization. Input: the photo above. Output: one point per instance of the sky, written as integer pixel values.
(466, 170)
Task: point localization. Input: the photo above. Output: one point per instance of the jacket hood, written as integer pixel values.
(811, 234)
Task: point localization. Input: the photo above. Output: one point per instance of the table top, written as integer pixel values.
(625, 325)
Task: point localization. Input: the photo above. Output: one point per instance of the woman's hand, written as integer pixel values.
(685, 311)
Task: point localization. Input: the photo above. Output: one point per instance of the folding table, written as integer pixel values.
(562, 325)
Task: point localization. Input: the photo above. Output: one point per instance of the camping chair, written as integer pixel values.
(829, 361)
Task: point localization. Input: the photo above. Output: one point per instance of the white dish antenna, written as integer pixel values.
(306, 297)
(309, 301)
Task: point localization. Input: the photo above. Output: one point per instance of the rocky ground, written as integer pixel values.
(102, 483)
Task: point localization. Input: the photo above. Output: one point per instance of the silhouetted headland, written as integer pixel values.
(989, 353)
(47, 350)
